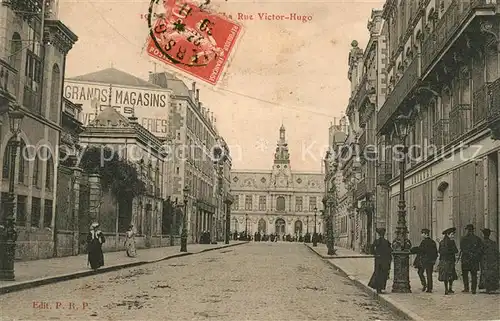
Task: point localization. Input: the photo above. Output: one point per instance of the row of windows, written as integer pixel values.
(196, 155)
(199, 129)
(342, 225)
(280, 203)
(36, 210)
(23, 166)
(199, 187)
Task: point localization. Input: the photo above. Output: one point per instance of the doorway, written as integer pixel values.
(279, 226)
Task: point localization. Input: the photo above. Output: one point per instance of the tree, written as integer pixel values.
(118, 176)
(328, 217)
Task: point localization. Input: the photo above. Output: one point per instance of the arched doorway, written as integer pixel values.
(298, 227)
(279, 226)
(262, 226)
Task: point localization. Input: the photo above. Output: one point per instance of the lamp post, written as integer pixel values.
(315, 236)
(401, 245)
(8, 231)
(184, 233)
(330, 226)
(246, 226)
(307, 224)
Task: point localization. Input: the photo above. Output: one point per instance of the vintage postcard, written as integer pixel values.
(249, 160)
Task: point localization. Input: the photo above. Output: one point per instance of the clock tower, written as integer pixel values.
(281, 175)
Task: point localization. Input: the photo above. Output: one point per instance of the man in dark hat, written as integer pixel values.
(471, 251)
(382, 250)
(426, 258)
(490, 275)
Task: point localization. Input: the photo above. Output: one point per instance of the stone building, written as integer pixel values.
(31, 75)
(360, 165)
(337, 135)
(132, 142)
(443, 68)
(193, 133)
(279, 200)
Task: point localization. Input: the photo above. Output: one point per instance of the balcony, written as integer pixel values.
(31, 100)
(480, 104)
(460, 120)
(401, 90)
(360, 189)
(447, 27)
(8, 82)
(441, 133)
(384, 173)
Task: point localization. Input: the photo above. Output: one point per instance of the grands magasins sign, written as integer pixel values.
(150, 105)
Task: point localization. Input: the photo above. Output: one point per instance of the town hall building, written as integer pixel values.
(279, 200)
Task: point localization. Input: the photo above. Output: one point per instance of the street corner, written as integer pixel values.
(192, 39)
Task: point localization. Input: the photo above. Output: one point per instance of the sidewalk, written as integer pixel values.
(417, 305)
(40, 272)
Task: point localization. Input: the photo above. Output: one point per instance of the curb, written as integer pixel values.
(76, 275)
(384, 299)
(222, 247)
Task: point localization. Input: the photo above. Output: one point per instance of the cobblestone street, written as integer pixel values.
(256, 281)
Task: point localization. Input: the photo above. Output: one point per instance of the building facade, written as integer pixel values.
(193, 134)
(132, 142)
(32, 63)
(280, 200)
(447, 75)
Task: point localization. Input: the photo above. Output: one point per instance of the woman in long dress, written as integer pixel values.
(489, 277)
(130, 242)
(382, 250)
(447, 251)
(95, 239)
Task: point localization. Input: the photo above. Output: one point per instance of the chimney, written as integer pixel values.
(203, 111)
(215, 120)
(207, 116)
(212, 117)
(193, 87)
(200, 105)
(197, 94)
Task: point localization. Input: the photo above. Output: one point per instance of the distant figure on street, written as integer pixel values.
(447, 251)
(95, 239)
(130, 242)
(490, 274)
(427, 254)
(382, 250)
(471, 251)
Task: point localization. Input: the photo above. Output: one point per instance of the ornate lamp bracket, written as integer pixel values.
(487, 27)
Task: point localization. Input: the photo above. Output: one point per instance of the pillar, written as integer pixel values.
(95, 196)
(75, 208)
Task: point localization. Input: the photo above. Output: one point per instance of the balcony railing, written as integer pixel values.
(401, 90)
(460, 120)
(31, 100)
(480, 104)
(447, 26)
(384, 173)
(441, 134)
(8, 81)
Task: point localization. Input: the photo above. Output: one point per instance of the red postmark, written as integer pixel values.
(191, 39)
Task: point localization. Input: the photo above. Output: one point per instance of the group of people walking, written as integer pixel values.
(95, 240)
(476, 255)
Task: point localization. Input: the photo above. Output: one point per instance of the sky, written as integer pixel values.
(282, 72)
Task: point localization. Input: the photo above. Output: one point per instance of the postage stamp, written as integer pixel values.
(186, 36)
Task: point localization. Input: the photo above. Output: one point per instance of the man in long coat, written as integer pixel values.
(471, 248)
(382, 250)
(427, 254)
(490, 274)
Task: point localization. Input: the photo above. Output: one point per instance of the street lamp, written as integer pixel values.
(401, 245)
(330, 226)
(184, 233)
(8, 231)
(246, 225)
(307, 224)
(315, 236)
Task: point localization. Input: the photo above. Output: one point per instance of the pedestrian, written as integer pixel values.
(447, 251)
(95, 239)
(471, 251)
(427, 254)
(490, 274)
(382, 250)
(130, 242)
